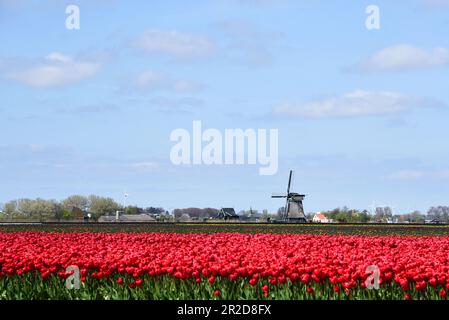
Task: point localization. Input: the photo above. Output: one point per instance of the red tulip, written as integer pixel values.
(339, 262)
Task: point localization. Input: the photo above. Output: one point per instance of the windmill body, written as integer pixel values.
(294, 209)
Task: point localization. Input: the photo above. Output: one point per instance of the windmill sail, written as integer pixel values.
(289, 181)
(294, 209)
(278, 195)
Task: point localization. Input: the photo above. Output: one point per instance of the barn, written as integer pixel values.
(227, 214)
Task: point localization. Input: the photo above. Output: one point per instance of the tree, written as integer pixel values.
(10, 209)
(364, 216)
(154, 210)
(416, 216)
(133, 210)
(43, 209)
(379, 213)
(440, 213)
(280, 213)
(333, 214)
(75, 201)
(177, 213)
(388, 213)
(383, 214)
(37, 209)
(265, 216)
(64, 214)
(184, 217)
(24, 208)
(342, 217)
(102, 206)
(210, 212)
(58, 211)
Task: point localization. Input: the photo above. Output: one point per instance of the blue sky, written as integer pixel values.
(362, 114)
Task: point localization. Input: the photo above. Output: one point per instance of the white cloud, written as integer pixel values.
(178, 45)
(58, 57)
(355, 104)
(241, 41)
(419, 174)
(55, 70)
(403, 57)
(155, 81)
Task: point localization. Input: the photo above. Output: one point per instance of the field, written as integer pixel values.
(223, 261)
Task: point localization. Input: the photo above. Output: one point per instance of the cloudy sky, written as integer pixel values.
(362, 114)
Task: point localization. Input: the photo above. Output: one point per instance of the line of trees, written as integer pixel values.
(73, 207)
(77, 206)
(385, 214)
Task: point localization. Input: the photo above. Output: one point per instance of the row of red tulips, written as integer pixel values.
(229, 266)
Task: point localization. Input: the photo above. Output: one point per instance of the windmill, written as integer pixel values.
(294, 209)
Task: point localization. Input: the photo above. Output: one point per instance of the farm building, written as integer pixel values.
(227, 214)
(320, 218)
(128, 218)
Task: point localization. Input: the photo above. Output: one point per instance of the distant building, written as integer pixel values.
(320, 218)
(251, 218)
(87, 216)
(433, 221)
(128, 218)
(227, 214)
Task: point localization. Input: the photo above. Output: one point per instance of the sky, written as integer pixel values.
(361, 113)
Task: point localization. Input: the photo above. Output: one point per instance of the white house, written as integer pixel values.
(320, 218)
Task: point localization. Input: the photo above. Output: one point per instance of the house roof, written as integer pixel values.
(229, 211)
(320, 216)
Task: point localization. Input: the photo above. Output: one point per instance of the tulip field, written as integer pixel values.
(114, 264)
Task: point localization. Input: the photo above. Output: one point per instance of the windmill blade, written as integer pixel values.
(278, 195)
(292, 183)
(289, 181)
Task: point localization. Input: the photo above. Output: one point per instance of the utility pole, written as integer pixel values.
(125, 195)
(117, 213)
